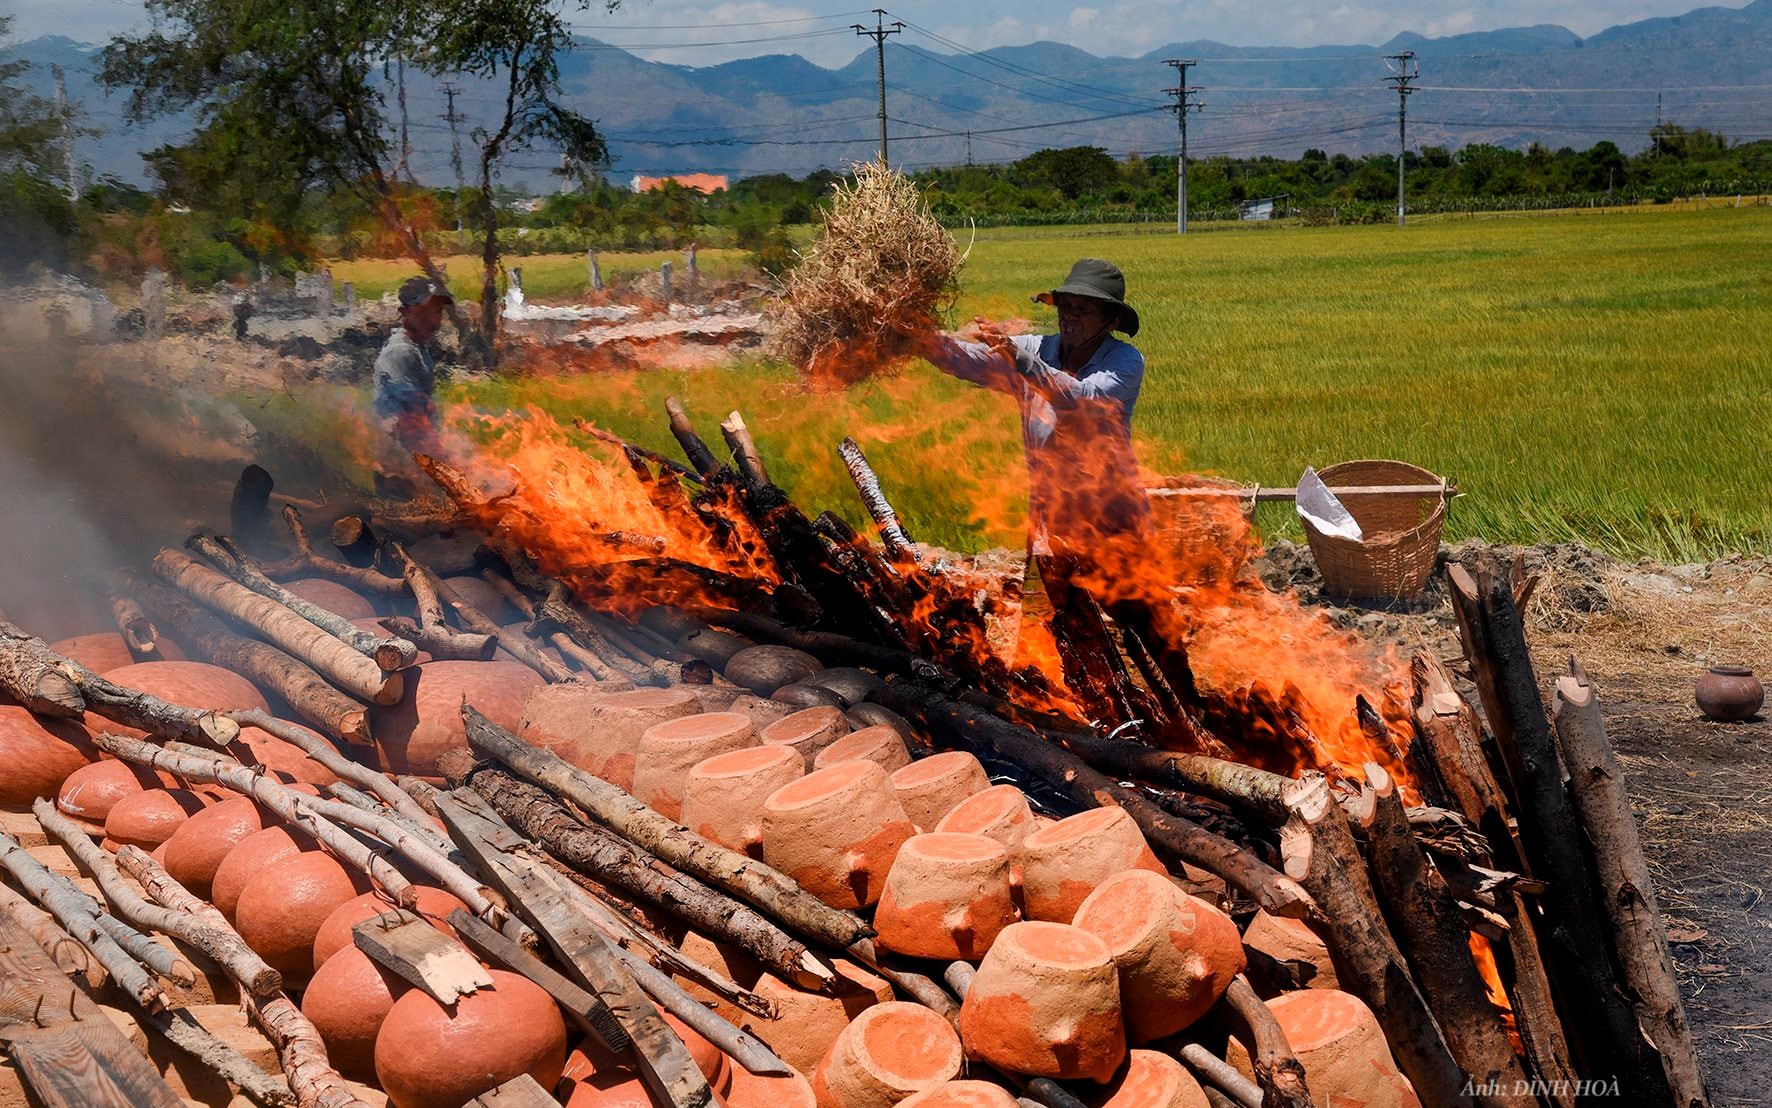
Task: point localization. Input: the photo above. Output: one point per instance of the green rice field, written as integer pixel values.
(1603, 378)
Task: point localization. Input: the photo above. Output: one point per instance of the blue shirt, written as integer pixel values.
(405, 378)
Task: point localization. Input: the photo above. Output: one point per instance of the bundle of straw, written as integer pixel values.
(878, 275)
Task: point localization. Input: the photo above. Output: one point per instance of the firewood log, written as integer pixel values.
(305, 563)
(1277, 1069)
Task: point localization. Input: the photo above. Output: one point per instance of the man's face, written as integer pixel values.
(422, 321)
(1081, 318)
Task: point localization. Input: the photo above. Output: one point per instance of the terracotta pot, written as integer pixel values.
(1345, 1056)
(750, 1090)
(426, 723)
(947, 896)
(196, 849)
(281, 909)
(286, 759)
(1730, 694)
(191, 684)
(1295, 946)
(1001, 813)
(39, 754)
(594, 1077)
(149, 818)
(1176, 954)
(599, 731)
(801, 695)
(807, 1023)
(91, 791)
(931, 788)
(1063, 862)
(1151, 1080)
(1046, 1002)
(763, 669)
(104, 651)
(668, 751)
(250, 857)
(962, 1094)
(431, 1057)
(347, 1000)
(761, 710)
(334, 932)
(809, 731)
(723, 796)
(341, 600)
(890, 1052)
(836, 832)
(877, 744)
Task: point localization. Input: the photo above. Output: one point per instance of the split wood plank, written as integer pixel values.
(521, 1091)
(423, 956)
(581, 1006)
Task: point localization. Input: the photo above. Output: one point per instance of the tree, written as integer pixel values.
(36, 219)
(1074, 171)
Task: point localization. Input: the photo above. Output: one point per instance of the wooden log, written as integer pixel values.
(255, 974)
(432, 594)
(377, 783)
(959, 725)
(51, 685)
(388, 654)
(665, 1065)
(556, 611)
(701, 458)
(356, 798)
(923, 989)
(87, 1064)
(299, 1049)
(78, 915)
(622, 444)
(443, 643)
(183, 1031)
(1637, 932)
(335, 661)
(1320, 852)
(1473, 633)
(584, 659)
(1608, 1039)
(421, 955)
(277, 798)
(893, 535)
(1278, 1071)
(746, 878)
(138, 631)
(609, 857)
(355, 540)
(63, 949)
(273, 670)
(744, 449)
(305, 563)
(249, 509)
(1432, 933)
(1529, 992)
(1214, 1072)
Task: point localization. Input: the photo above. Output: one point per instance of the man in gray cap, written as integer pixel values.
(405, 376)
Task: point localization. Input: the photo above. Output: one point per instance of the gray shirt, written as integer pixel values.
(405, 378)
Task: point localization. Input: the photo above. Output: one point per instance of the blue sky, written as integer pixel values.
(674, 30)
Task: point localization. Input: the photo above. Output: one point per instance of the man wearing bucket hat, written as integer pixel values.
(405, 375)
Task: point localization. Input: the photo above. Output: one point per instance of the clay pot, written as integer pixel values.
(890, 1052)
(947, 896)
(91, 791)
(723, 796)
(281, 910)
(39, 754)
(1151, 1080)
(1295, 946)
(104, 651)
(594, 1078)
(935, 786)
(286, 759)
(1063, 862)
(850, 684)
(599, 731)
(800, 695)
(1046, 1002)
(809, 731)
(668, 751)
(196, 849)
(426, 722)
(807, 1023)
(962, 1094)
(880, 745)
(760, 710)
(716, 648)
(1730, 694)
(347, 1001)
(1337, 1038)
(875, 715)
(252, 856)
(334, 933)
(341, 600)
(431, 1057)
(763, 669)
(836, 832)
(149, 818)
(1001, 813)
(750, 1090)
(191, 684)
(1176, 954)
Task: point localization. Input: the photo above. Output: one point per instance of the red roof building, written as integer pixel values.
(705, 183)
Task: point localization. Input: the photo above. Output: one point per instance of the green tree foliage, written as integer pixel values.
(37, 221)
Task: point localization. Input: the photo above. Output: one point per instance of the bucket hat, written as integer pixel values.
(1098, 280)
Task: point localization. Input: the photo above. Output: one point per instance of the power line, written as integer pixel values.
(1094, 91)
(878, 32)
(598, 44)
(704, 26)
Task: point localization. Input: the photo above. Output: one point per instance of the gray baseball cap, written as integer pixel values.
(417, 290)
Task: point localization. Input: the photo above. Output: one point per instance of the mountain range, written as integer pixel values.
(1710, 67)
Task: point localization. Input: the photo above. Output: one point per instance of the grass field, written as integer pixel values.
(1604, 378)
(545, 276)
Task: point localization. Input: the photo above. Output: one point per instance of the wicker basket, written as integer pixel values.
(1207, 536)
(1402, 533)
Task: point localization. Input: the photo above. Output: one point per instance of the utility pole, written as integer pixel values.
(1407, 70)
(878, 33)
(454, 151)
(1657, 131)
(968, 149)
(1183, 93)
(64, 119)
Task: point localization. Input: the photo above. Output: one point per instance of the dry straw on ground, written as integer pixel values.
(879, 273)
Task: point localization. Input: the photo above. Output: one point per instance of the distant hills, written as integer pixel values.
(1710, 67)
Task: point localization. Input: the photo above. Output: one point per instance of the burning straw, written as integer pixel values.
(880, 272)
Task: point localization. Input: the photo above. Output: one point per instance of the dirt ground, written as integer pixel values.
(1702, 790)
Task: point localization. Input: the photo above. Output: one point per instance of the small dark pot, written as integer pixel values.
(1730, 693)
